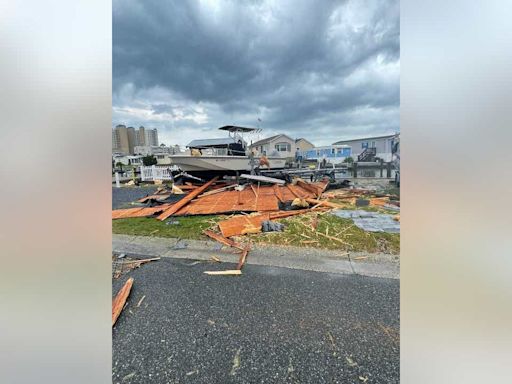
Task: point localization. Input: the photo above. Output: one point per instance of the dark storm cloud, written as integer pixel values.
(294, 64)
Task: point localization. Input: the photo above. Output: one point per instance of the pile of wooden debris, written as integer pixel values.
(256, 203)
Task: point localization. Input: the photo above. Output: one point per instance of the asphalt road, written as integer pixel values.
(270, 325)
(122, 197)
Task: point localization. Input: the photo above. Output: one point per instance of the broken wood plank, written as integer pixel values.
(154, 197)
(120, 299)
(218, 190)
(308, 187)
(138, 212)
(379, 201)
(221, 239)
(226, 272)
(242, 224)
(263, 178)
(254, 191)
(140, 301)
(333, 238)
(181, 203)
(277, 192)
(242, 259)
(281, 215)
(292, 191)
(324, 203)
(141, 261)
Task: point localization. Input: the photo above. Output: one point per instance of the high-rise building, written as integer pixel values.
(120, 139)
(115, 141)
(132, 138)
(125, 140)
(141, 136)
(151, 136)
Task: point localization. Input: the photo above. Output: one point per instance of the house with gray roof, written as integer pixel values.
(382, 145)
(279, 145)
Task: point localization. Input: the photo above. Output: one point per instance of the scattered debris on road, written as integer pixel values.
(140, 301)
(120, 267)
(236, 363)
(120, 299)
(226, 272)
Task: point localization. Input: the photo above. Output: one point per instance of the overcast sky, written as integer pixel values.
(323, 70)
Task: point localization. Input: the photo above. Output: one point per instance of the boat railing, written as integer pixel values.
(209, 151)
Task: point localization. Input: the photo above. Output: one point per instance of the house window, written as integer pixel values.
(283, 147)
(333, 151)
(373, 144)
(364, 144)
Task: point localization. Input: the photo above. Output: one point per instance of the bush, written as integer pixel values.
(348, 160)
(149, 160)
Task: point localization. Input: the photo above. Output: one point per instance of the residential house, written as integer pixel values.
(331, 153)
(146, 150)
(278, 145)
(383, 146)
(303, 145)
(128, 160)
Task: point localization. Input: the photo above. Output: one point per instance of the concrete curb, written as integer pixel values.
(311, 259)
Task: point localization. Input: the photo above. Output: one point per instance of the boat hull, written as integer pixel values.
(193, 164)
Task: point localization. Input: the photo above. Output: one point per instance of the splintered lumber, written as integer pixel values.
(242, 259)
(240, 225)
(221, 239)
(160, 196)
(281, 215)
(332, 238)
(120, 299)
(243, 224)
(138, 212)
(142, 261)
(291, 190)
(324, 203)
(254, 191)
(181, 203)
(277, 192)
(308, 187)
(218, 190)
(379, 201)
(227, 272)
(263, 178)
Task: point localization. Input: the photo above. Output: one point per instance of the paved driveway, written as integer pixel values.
(270, 325)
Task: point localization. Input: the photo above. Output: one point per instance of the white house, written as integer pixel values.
(383, 146)
(146, 150)
(278, 145)
(163, 159)
(127, 159)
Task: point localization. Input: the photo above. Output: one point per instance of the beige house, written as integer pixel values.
(278, 145)
(303, 145)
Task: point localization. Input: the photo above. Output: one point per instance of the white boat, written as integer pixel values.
(222, 155)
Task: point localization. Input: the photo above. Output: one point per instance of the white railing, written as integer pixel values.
(157, 173)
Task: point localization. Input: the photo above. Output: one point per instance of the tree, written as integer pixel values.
(119, 165)
(149, 160)
(348, 160)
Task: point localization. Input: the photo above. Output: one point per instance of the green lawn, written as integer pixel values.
(298, 232)
(190, 227)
